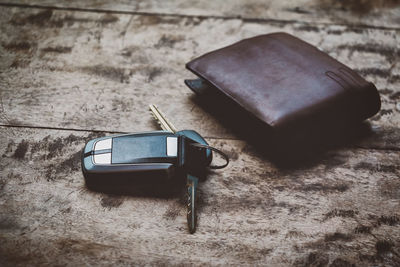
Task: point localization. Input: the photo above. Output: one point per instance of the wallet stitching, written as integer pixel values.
(350, 75)
(339, 79)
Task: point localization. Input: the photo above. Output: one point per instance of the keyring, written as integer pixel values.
(217, 151)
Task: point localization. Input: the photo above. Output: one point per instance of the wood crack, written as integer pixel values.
(244, 19)
(356, 146)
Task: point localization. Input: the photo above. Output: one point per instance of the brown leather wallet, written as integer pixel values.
(292, 87)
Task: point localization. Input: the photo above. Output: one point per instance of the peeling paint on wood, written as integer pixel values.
(99, 70)
(113, 70)
(250, 213)
(363, 12)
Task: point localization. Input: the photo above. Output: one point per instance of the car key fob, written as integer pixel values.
(157, 163)
(151, 162)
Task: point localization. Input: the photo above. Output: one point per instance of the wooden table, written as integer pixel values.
(74, 70)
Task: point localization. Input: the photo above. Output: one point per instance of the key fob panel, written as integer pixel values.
(143, 162)
(145, 148)
(132, 163)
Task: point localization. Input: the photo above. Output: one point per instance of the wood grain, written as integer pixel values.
(251, 213)
(366, 13)
(96, 71)
(83, 69)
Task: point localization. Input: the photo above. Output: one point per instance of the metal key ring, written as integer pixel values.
(226, 158)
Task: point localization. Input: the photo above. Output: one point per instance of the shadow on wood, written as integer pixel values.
(287, 149)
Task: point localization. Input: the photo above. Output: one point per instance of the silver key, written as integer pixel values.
(161, 119)
(191, 181)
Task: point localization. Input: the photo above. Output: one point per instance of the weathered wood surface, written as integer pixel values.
(100, 71)
(377, 13)
(95, 71)
(344, 209)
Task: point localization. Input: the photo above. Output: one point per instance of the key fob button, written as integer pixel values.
(103, 144)
(102, 159)
(172, 146)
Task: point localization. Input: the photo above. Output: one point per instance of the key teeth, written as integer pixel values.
(165, 124)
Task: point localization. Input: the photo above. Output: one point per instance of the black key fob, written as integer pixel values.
(142, 163)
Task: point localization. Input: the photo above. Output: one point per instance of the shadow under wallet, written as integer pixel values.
(289, 150)
(287, 98)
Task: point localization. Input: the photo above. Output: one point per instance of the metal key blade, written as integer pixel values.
(192, 182)
(162, 120)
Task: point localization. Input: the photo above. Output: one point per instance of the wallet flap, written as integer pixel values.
(286, 82)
